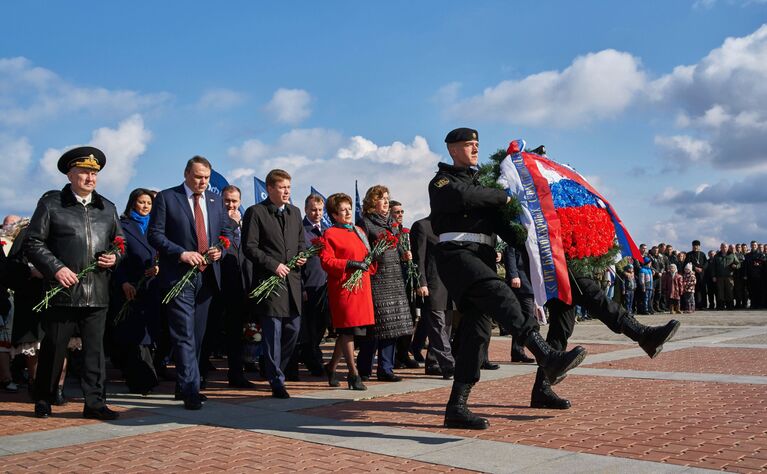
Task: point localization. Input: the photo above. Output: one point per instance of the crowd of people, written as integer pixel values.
(676, 281)
(105, 280)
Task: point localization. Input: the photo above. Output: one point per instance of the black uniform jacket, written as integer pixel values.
(423, 243)
(64, 233)
(460, 204)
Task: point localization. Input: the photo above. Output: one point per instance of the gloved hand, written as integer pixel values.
(356, 265)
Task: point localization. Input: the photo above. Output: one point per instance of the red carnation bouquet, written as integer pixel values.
(270, 285)
(386, 240)
(117, 248)
(412, 276)
(223, 244)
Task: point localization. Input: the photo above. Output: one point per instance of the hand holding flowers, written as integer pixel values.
(213, 254)
(270, 285)
(386, 240)
(68, 278)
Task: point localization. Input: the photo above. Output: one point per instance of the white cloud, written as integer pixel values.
(405, 168)
(681, 150)
(310, 142)
(290, 106)
(595, 86)
(726, 210)
(221, 99)
(30, 94)
(122, 146)
(722, 102)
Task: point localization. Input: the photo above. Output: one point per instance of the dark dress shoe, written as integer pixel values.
(280, 391)
(433, 370)
(364, 378)
(411, 363)
(448, 372)
(418, 357)
(388, 377)
(180, 396)
(241, 383)
(193, 403)
(521, 357)
(60, 399)
(42, 409)
(100, 413)
(487, 365)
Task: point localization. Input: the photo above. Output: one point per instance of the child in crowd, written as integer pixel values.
(688, 295)
(672, 288)
(629, 287)
(645, 282)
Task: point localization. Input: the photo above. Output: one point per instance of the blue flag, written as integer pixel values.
(260, 189)
(217, 183)
(357, 205)
(326, 222)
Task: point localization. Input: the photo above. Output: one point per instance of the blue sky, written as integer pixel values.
(662, 105)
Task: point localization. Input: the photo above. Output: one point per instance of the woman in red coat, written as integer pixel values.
(344, 251)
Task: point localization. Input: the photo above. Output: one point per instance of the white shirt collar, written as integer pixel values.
(83, 200)
(189, 192)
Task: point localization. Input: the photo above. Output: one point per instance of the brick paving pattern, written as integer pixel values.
(707, 360)
(707, 425)
(500, 349)
(17, 417)
(208, 449)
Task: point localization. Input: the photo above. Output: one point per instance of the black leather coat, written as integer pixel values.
(64, 233)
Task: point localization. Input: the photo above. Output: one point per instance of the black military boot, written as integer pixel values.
(544, 397)
(555, 364)
(650, 338)
(457, 414)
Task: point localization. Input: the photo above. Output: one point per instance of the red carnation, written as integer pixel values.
(405, 230)
(225, 243)
(2, 243)
(318, 242)
(119, 243)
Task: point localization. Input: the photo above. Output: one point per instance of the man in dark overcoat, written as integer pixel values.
(272, 235)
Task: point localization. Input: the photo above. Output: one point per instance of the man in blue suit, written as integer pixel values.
(185, 224)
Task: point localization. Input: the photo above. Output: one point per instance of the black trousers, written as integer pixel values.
(137, 366)
(587, 294)
(755, 289)
(61, 323)
(235, 316)
(481, 301)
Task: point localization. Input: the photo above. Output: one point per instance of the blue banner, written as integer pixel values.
(326, 222)
(260, 190)
(357, 205)
(217, 183)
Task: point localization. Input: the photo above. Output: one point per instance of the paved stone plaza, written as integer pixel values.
(702, 404)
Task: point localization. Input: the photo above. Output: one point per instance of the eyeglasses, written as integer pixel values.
(398, 212)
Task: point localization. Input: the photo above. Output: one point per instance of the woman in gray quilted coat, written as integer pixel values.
(392, 313)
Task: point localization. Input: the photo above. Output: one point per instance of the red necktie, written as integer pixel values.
(199, 227)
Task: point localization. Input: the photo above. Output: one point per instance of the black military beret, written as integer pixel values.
(696, 242)
(461, 135)
(84, 157)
